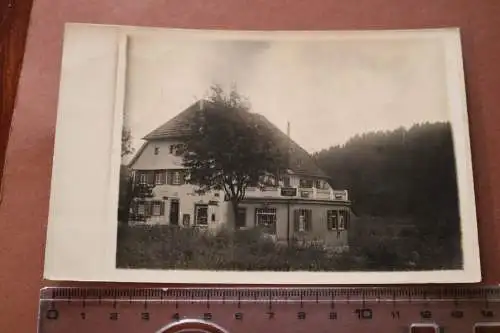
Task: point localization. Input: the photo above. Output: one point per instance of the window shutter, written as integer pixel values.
(296, 216)
(183, 177)
(162, 176)
(138, 177)
(151, 177)
(346, 219)
(170, 177)
(309, 220)
(133, 206)
(162, 208)
(147, 210)
(329, 217)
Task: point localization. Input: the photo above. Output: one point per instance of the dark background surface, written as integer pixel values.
(14, 18)
(26, 181)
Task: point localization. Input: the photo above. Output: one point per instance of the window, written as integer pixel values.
(306, 183)
(201, 214)
(332, 219)
(141, 208)
(266, 218)
(179, 149)
(321, 184)
(286, 181)
(186, 220)
(176, 149)
(343, 216)
(175, 177)
(157, 208)
(160, 176)
(269, 181)
(337, 220)
(143, 179)
(302, 220)
(157, 150)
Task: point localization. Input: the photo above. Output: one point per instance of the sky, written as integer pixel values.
(329, 90)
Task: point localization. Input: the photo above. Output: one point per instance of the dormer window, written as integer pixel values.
(286, 181)
(306, 183)
(157, 150)
(268, 180)
(321, 184)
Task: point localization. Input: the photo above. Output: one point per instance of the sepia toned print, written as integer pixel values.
(279, 153)
(219, 186)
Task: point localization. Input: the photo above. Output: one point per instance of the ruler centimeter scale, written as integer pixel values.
(248, 309)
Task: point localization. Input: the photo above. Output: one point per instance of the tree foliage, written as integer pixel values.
(397, 173)
(229, 149)
(128, 192)
(127, 148)
(402, 173)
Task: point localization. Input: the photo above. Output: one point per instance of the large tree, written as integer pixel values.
(230, 148)
(130, 191)
(126, 187)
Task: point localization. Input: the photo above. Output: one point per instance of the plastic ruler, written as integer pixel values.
(260, 310)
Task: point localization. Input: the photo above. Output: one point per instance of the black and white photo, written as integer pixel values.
(251, 157)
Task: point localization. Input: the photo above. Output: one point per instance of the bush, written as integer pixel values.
(169, 247)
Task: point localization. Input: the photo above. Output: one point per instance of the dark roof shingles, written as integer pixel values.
(300, 161)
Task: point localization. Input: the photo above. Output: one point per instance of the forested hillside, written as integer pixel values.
(405, 173)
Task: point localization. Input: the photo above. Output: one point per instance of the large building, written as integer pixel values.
(299, 205)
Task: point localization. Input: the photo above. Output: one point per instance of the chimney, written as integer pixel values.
(288, 145)
(201, 104)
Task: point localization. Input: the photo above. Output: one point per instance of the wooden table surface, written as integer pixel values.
(26, 181)
(14, 18)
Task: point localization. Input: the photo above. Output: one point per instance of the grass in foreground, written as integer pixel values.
(165, 247)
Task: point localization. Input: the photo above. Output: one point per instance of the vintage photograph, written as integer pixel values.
(288, 154)
(278, 157)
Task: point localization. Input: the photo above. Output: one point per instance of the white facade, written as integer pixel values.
(183, 206)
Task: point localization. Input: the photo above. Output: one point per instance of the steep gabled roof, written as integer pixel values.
(300, 161)
(177, 127)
